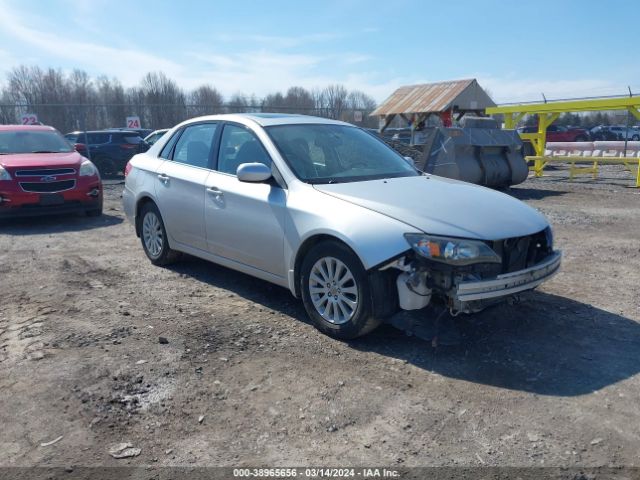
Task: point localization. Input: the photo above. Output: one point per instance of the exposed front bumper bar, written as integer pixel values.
(509, 283)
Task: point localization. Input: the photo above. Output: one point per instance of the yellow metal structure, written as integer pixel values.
(548, 113)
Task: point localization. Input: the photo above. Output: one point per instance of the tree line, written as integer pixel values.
(585, 120)
(75, 100)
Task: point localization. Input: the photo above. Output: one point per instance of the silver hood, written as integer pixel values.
(441, 206)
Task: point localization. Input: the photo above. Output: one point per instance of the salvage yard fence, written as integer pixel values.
(593, 154)
(70, 117)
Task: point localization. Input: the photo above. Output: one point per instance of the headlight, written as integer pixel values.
(4, 175)
(454, 251)
(88, 169)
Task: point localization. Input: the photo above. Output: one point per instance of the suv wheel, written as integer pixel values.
(106, 166)
(336, 291)
(154, 236)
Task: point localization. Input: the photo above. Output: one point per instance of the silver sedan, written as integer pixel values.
(330, 212)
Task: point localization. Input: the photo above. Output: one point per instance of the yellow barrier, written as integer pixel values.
(548, 112)
(541, 161)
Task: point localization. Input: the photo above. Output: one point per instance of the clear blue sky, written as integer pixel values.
(515, 49)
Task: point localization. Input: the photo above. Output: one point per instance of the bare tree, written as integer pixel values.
(274, 102)
(358, 101)
(82, 97)
(205, 100)
(7, 110)
(45, 93)
(164, 100)
(111, 111)
(238, 103)
(334, 100)
(300, 100)
(76, 100)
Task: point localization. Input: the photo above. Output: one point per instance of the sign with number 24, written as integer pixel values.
(133, 122)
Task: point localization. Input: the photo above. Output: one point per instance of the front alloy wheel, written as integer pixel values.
(333, 290)
(336, 291)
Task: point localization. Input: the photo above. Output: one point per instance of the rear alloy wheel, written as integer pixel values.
(336, 291)
(154, 237)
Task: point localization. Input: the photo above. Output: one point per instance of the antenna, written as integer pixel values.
(544, 98)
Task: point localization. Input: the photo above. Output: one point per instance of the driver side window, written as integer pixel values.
(237, 146)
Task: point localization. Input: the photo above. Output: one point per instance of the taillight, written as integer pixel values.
(127, 168)
(128, 146)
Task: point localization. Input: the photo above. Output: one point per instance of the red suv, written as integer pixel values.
(560, 133)
(40, 173)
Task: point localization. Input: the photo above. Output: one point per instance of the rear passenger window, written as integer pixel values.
(194, 145)
(166, 150)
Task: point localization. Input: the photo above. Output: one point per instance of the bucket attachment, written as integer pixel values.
(477, 152)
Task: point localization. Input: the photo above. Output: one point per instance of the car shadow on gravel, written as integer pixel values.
(546, 344)
(250, 288)
(549, 345)
(533, 193)
(56, 224)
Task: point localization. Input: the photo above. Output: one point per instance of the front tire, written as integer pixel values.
(154, 237)
(336, 292)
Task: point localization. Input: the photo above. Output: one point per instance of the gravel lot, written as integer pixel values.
(244, 379)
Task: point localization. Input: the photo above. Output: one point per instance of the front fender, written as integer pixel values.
(373, 237)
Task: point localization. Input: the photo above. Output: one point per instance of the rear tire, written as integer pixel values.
(336, 292)
(106, 166)
(154, 237)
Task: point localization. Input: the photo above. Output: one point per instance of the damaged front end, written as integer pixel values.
(467, 275)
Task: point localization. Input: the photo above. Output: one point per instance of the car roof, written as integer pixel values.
(102, 131)
(268, 119)
(15, 128)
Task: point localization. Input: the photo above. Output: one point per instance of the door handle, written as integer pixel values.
(164, 178)
(214, 191)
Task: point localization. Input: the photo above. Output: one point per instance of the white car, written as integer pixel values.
(622, 132)
(332, 213)
(156, 135)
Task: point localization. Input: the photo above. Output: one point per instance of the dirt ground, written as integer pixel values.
(244, 379)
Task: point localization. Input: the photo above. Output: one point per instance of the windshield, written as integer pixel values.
(34, 141)
(320, 153)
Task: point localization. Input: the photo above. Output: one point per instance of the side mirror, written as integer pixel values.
(410, 161)
(253, 172)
